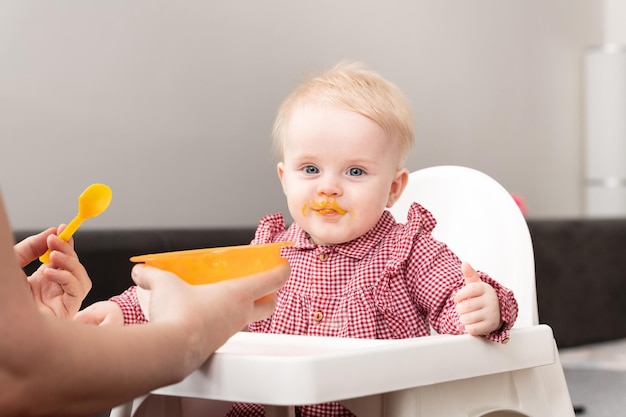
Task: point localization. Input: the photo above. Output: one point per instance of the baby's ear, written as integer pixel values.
(397, 186)
(280, 170)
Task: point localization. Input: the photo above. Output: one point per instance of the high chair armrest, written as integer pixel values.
(291, 370)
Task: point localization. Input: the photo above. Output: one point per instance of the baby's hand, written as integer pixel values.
(477, 305)
(60, 285)
(102, 313)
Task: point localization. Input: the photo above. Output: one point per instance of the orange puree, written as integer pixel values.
(324, 207)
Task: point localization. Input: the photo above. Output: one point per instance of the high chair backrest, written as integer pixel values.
(480, 221)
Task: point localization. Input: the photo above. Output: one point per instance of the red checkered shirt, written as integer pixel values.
(129, 303)
(391, 283)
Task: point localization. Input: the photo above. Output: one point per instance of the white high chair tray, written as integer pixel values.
(283, 370)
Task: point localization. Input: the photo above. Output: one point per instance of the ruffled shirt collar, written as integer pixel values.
(359, 247)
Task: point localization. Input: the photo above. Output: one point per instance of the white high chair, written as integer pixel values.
(439, 375)
(479, 220)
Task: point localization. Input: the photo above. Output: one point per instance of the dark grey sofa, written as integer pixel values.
(580, 269)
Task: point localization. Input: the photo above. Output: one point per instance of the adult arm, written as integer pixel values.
(54, 366)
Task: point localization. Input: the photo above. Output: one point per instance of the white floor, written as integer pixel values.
(596, 378)
(607, 356)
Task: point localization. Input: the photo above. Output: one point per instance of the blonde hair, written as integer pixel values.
(350, 86)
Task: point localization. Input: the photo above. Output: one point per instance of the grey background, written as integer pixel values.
(171, 103)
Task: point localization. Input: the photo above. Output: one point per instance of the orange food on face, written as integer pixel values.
(324, 207)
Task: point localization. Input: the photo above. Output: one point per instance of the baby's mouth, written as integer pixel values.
(324, 207)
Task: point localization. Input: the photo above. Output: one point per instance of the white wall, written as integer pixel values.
(614, 15)
(171, 103)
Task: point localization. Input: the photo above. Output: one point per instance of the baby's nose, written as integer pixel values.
(329, 187)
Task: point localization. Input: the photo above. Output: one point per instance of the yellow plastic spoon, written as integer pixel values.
(91, 203)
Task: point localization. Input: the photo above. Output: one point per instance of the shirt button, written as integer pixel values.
(323, 257)
(318, 316)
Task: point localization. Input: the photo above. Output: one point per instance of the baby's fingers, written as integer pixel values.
(101, 313)
(90, 315)
(479, 316)
(473, 290)
(469, 305)
(479, 328)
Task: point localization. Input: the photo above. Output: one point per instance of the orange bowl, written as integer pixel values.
(204, 266)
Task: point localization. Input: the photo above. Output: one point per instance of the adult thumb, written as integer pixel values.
(145, 276)
(469, 273)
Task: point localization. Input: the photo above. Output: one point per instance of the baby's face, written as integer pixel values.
(339, 172)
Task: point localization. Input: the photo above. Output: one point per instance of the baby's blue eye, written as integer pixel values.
(355, 172)
(310, 169)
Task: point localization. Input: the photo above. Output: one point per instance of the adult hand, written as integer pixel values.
(32, 247)
(60, 285)
(213, 312)
(478, 306)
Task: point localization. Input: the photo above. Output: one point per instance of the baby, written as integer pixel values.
(342, 139)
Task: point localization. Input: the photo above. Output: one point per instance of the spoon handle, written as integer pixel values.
(66, 234)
